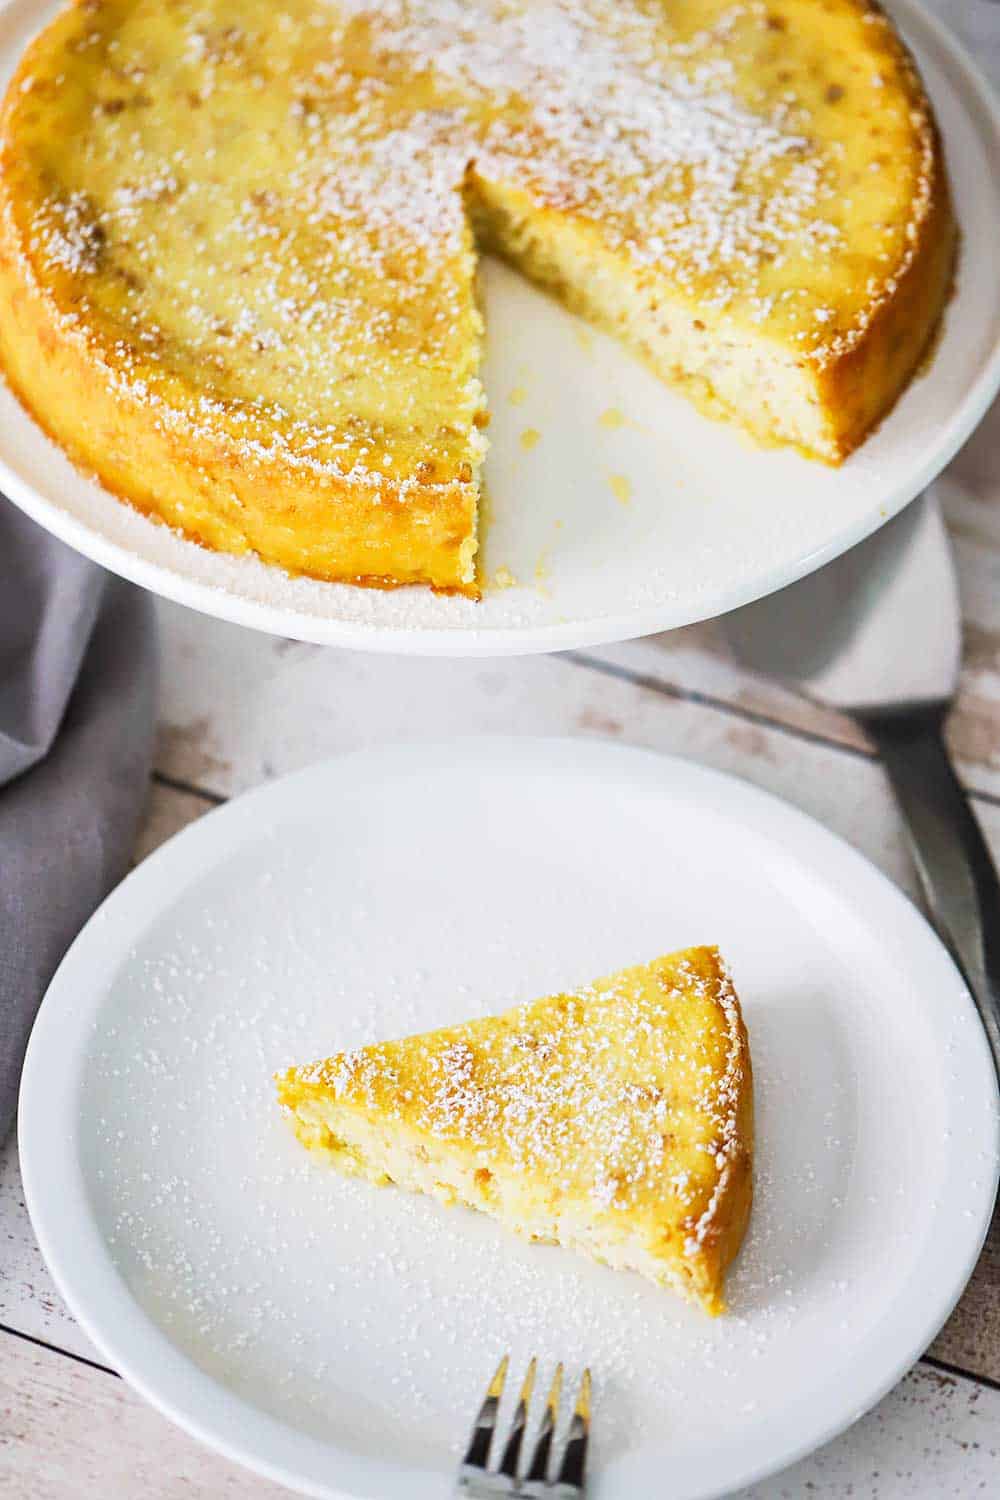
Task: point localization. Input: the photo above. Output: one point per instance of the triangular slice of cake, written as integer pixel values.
(617, 1120)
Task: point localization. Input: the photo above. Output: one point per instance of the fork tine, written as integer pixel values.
(538, 1473)
(512, 1452)
(575, 1456)
(478, 1453)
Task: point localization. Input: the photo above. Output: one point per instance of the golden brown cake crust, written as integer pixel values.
(268, 337)
(862, 373)
(623, 1110)
(236, 435)
(202, 484)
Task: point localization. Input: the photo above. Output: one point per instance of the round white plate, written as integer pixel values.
(337, 1337)
(601, 532)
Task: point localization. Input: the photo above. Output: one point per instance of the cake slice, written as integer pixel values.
(616, 1120)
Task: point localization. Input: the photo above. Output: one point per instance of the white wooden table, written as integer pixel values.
(240, 708)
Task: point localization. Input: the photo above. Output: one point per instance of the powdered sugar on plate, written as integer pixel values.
(398, 891)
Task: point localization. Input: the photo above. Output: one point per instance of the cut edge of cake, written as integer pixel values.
(149, 448)
(150, 440)
(823, 405)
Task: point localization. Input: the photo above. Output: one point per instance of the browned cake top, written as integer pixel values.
(268, 207)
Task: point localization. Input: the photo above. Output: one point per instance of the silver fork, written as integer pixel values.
(478, 1482)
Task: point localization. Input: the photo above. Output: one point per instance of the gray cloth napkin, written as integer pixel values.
(78, 679)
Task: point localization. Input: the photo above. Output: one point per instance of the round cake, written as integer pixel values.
(238, 243)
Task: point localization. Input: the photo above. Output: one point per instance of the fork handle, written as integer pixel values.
(953, 861)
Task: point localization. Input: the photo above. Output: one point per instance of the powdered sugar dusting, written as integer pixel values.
(596, 1093)
(315, 285)
(688, 545)
(605, 113)
(352, 1313)
(70, 235)
(263, 1264)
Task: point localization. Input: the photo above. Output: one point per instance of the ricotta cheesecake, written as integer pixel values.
(238, 241)
(616, 1120)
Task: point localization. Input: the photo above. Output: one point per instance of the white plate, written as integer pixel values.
(335, 1336)
(710, 522)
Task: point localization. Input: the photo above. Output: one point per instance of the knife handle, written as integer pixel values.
(953, 861)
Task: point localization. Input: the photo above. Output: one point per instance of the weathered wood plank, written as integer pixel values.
(971, 1337)
(255, 708)
(67, 1430)
(28, 1298)
(932, 1436)
(168, 812)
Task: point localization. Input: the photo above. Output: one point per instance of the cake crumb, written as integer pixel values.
(621, 488)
